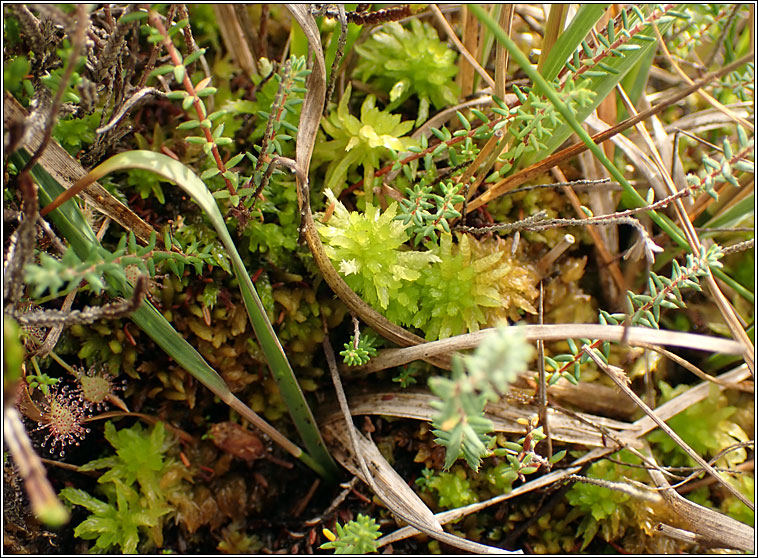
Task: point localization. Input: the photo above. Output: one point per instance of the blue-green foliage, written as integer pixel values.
(460, 424)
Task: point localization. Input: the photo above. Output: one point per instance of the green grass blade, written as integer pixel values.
(574, 123)
(570, 39)
(602, 86)
(739, 214)
(71, 223)
(175, 171)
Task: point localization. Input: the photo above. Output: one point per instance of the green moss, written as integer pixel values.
(135, 487)
(471, 284)
(453, 488)
(603, 510)
(405, 62)
(359, 142)
(705, 427)
(368, 250)
(355, 537)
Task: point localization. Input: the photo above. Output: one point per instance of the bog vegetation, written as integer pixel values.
(526, 231)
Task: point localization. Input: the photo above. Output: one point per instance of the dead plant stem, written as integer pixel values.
(622, 381)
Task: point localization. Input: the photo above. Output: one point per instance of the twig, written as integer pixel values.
(679, 534)
(136, 98)
(535, 170)
(459, 45)
(622, 380)
(356, 331)
(77, 42)
(154, 52)
(688, 365)
(643, 426)
(708, 98)
(620, 217)
(716, 529)
(544, 264)
(22, 242)
(337, 56)
(739, 247)
(57, 243)
(347, 488)
(724, 306)
(715, 458)
(52, 318)
(572, 184)
(746, 467)
(55, 332)
(456, 514)
(276, 112)
(605, 256)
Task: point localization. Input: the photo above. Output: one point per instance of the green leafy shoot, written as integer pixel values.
(453, 488)
(369, 251)
(405, 62)
(460, 424)
(113, 526)
(136, 501)
(355, 537)
(360, 142)
(358, 354)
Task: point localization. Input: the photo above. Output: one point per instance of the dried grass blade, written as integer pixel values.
(515, 180)
(387, 358)
(357, 453)
(451, 516)
(460, 46)
(621, 380)
(504, 414)
(66, 170)
(711, 528)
